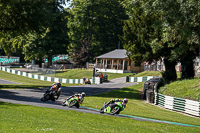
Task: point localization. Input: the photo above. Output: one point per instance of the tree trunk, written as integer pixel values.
(40, 62)
(170, 71)
(187, 66)
(49, 60)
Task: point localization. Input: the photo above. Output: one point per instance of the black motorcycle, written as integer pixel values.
(49, 95)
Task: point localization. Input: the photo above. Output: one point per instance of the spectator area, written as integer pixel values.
(57, 58)
(5, 61)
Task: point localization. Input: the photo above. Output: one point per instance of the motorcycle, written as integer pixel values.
(114, 108)
(49, 95)
(86, 81)
(72, 102)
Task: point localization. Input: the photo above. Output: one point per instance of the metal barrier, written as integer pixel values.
(178, 104)
(150, 93)
(140, 79)
(94, 80)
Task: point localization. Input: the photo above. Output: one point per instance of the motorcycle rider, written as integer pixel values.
(80, 97)
(123, 102)
(55, 89)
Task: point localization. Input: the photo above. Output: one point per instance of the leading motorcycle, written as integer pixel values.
(114, 108)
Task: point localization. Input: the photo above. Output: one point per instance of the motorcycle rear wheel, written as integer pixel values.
(72, 103)
(42, 99)
(45, 98)
(115, 110)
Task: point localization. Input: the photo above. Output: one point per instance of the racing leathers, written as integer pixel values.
(55, 90)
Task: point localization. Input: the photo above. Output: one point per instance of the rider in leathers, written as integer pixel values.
(124, 102)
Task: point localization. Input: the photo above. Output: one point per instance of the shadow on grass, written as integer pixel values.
(122, 93)
(22, 86)
(9, 96)
(61, 71)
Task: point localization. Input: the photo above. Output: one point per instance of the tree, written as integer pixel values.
(53, 41)
(143, 34)
(162, 29)
(38, 27)
(183, 19)
(95, 25)
(57, 40)
(21, 17)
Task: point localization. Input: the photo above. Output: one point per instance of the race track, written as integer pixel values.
(2, 81)
(32, 97)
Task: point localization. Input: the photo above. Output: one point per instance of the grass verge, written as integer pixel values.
(137, 107)
(25, 82)
(80, 73)
(22, 118)
(188, 89)
(148, 73)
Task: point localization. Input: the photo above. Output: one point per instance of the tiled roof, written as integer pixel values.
(115, 54)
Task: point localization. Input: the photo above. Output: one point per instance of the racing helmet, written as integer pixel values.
(125, 100)
(83, 94)
(56, 85)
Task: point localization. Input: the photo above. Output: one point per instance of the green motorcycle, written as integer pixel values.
(114, 108)
(72, 102)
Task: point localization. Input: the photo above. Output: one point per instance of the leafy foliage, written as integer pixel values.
(95, 28)
(38, 27)
(164, 29)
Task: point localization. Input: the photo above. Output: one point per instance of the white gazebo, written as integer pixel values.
(117, 61)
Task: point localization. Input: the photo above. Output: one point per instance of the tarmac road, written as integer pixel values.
(2, 81)
(33, 96)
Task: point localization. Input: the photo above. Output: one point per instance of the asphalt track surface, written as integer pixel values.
(33, 96)
(7, 82)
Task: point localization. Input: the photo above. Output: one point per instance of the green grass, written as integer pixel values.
(80, 73)
(148, 73)
(153, 73)
(137, 107)
(74, 73)
(188, 89)
(118, 75)
(23, 118)
(25, 82)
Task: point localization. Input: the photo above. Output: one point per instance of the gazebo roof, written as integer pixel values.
(115, 54)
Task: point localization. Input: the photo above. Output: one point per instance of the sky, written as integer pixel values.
(66, 5)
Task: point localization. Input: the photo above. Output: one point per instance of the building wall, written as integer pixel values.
(137, 68)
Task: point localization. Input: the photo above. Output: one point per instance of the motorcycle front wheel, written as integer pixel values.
(102, 110)
(64, 103)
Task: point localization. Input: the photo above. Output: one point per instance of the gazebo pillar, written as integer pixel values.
(112, 64)
(103, 63)
(123, 64)
(106, 63)
(118, 64)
